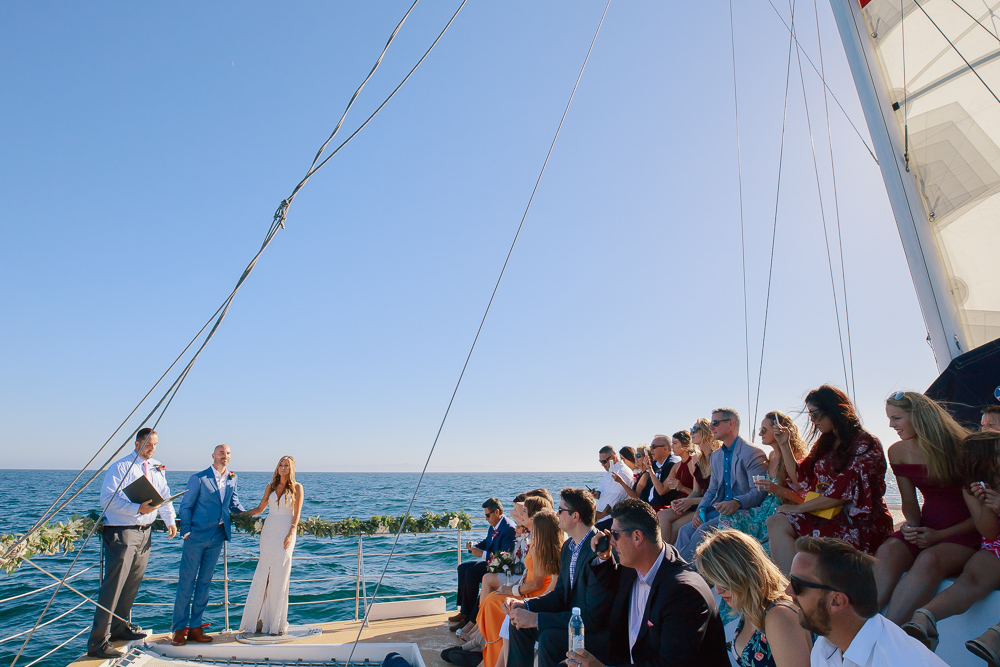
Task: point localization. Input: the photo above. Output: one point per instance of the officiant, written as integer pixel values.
(127, 542)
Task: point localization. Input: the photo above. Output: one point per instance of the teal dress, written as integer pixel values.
(756, 652)
(753, 521)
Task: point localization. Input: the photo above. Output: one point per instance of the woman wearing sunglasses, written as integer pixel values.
(753, 521)
(843, 479)
(768, 633)
(980, 475)
(680, 513)
(939, 538)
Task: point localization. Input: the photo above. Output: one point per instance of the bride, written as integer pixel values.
(266, 609)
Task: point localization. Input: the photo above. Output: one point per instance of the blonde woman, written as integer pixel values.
(266, 609)
(753, 521)
(940, 537)
(679, 513)
(768, 634)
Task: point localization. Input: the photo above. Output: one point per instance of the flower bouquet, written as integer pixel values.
(507, 566)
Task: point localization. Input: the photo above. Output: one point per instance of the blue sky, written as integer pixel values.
(145, 147)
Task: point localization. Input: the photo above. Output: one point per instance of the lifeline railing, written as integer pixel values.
(360, 597)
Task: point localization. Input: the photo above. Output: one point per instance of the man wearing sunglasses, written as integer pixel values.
(731, 488)
(664, 613)
(470, 574)
(609, 491)
(834, 586)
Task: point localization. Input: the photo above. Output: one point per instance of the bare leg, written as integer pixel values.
(491, 582)
(892, 559)
(666, 517)
(980, 577)
(931, 567)
(680, 522)
(502, 658)
(781, 538)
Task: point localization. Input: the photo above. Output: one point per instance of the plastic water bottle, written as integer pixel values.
(576, 630)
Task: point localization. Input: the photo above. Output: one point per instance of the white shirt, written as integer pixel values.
(879, 643)
(640, 596)
(122, 511)
(220, 482)
(612, 491)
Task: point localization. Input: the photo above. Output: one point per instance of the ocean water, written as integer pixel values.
(324, 574)
(327, 568)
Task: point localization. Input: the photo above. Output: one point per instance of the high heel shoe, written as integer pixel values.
(987, 645)
(927, 637)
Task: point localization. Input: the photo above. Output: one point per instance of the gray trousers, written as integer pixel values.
(126, 553)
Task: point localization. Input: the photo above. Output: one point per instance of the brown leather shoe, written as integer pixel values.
(180, 637)
(198, 635)
(457, 618)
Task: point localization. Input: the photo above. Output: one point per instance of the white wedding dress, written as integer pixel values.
(266, 610)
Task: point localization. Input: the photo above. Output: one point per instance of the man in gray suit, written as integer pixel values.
(731, 489)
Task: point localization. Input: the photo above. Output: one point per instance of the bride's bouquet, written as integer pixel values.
(505, 562)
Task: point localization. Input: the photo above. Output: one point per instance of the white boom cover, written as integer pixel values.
(952, 121)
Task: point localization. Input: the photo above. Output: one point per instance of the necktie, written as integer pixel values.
(145, 470)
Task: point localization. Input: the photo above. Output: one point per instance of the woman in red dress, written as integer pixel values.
(846, 470)
(939, 538)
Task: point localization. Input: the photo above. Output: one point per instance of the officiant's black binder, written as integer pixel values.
(142, 490)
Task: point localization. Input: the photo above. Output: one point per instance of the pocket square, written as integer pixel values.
(649, 623)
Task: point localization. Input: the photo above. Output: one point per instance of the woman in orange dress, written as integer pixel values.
(541, 569)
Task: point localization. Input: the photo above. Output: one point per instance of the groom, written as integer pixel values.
(205, 524)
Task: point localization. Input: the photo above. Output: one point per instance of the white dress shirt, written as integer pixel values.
(220, 482)
(612, 491)
(640, 596)
(879, 643)
(122, 511)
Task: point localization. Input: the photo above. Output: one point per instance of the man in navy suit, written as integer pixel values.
(205, 525)
(664, 613)
(499, 538)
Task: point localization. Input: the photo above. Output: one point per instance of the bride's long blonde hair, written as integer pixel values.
(290, 487)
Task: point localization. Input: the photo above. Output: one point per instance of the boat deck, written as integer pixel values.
(429, 633)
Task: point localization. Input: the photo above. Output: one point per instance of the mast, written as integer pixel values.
(930, 279)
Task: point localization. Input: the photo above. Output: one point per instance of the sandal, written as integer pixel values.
(927, 637)
(982, 646)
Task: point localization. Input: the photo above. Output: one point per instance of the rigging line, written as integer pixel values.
(739, 178)
(48, 622)
(45, 588)
(955, 49)
(989, 13)
(482, 323)
(46, 516)
(822, 215)
(825, 85)
(836, 208)
(39, 659)
(391, 95)
(774, 228)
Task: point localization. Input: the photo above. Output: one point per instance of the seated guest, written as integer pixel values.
(768, 634)
(680, 513)
(610, 491)
(627, 456)
(939, 538)
(980, 475)
(522, 537)
(731, 488)
(844, 472)
(663, 613)
(661, 465)
(833, 585)
(545, 619)
(639, 486)
(499, 538)
(541, 573)
(753, 521)
(991, 418)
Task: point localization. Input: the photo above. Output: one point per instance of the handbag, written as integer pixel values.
(828, 513)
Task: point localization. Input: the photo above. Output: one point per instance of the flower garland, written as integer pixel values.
(52, 539)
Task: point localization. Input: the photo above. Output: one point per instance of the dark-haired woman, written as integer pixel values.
(939, 538)
(844, 474)
(981, 575)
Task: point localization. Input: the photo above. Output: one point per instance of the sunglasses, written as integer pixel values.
(652, 447)
(800, 585)
(716, 422)
(563, 509)
(604, 462)
(693, 430)
(815, 415)
(898, 396)
(616, 533)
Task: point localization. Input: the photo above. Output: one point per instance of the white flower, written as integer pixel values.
(453, 523)
(381, 530)
(258, 526)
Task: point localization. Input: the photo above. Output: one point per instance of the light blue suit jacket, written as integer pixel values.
(202, 510)
(748, 460)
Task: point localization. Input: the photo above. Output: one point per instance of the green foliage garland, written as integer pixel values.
(52, 539)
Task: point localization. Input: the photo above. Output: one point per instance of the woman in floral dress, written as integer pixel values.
(845, 471)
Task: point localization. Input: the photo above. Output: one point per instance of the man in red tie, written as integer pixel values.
(500, 538)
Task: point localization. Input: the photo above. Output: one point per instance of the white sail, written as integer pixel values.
(946, 136)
